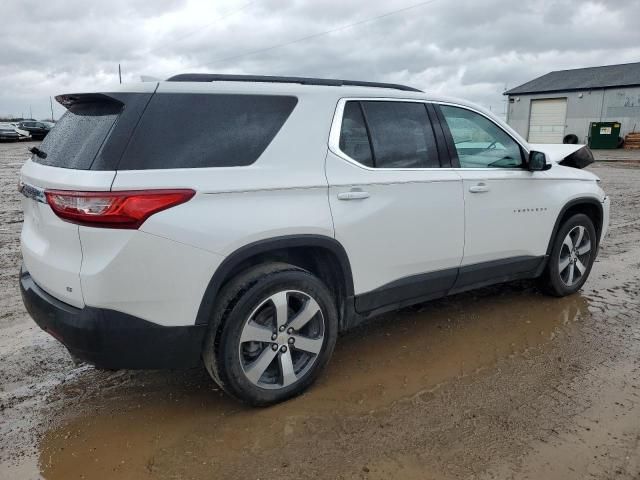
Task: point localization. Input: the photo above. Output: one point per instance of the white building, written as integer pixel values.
(564, 102)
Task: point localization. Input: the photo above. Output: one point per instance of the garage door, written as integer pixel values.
(547, 120)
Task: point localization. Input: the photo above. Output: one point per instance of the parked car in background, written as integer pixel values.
(38, 130)
(8, 132)
(24, 135)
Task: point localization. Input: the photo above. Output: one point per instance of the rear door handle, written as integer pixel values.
(355, 194)
(479, 188)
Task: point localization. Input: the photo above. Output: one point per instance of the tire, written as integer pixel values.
(568, 269)
(571, 138)
(247, 311)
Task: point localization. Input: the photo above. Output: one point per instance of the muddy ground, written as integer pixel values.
(499, 383)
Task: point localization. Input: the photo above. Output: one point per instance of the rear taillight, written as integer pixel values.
(127, 209)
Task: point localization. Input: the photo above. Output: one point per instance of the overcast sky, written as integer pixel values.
(464, 48)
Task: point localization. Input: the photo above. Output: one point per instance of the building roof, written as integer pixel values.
(608, 76)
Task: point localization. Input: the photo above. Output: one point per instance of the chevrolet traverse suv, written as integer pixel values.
(245, 221)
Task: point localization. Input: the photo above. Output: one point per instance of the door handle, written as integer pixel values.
(479, 188)
(354, 194)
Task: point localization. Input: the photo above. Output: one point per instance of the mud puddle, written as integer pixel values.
(399, 357)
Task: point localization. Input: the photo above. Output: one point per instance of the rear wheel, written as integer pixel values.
(572, 256)
(278, 329)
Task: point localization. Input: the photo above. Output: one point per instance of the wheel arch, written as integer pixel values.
(321, 255)
(590, 206)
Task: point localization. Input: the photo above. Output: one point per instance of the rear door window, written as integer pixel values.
(204, 130)
(78, 135)
(354, 140)
(388, 134)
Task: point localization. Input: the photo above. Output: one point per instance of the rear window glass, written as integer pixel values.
(78, 135)
(203, 130)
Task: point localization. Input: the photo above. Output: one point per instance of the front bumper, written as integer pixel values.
(110, 339)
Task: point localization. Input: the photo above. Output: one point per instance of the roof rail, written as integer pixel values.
(214, 77)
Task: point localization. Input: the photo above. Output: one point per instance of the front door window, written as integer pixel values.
(479, 142)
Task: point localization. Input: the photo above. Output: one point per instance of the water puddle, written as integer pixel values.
(138, 433)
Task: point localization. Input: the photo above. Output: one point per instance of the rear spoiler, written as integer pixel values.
(569, 155)
(70, 99)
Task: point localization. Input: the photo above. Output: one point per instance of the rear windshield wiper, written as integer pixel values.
(38, 152)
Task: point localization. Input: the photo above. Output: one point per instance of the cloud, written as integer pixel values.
(462, 48)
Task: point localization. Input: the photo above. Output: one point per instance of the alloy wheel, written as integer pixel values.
(575, 255)
(281, 339)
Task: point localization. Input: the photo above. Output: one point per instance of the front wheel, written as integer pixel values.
(279, 326)
(572, 256)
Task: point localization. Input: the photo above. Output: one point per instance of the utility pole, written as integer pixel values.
(119, 73)
(51, 104)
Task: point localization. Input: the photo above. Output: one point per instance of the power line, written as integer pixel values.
(326, 32)
(199, 29)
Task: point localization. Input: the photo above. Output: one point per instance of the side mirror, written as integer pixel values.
(537, 162)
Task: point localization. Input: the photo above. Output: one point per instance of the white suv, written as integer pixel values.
(246, 221)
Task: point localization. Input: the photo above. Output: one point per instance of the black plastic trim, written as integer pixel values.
(368, 129)
(332, 82)
(111, 339)
(497, 271)
(436, 125)
(265, 246)
(110, 155)
(407, 289)
(430, 286)
(451, 147)
(579, 159)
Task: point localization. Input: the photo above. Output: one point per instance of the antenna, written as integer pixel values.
(505, 99)
(119, 73)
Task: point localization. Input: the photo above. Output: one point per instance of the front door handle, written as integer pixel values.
(354, 194)
(479, 188)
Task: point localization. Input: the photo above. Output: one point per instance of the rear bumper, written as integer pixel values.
(110, 339)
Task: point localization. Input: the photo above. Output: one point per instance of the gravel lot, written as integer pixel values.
(499, 383)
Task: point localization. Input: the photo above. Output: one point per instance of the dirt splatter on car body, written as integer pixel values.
(499, 383)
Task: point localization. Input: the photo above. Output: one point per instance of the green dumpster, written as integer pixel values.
(604, 134)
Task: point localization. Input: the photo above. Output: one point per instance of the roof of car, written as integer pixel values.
(299, 86)
(249, 85)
